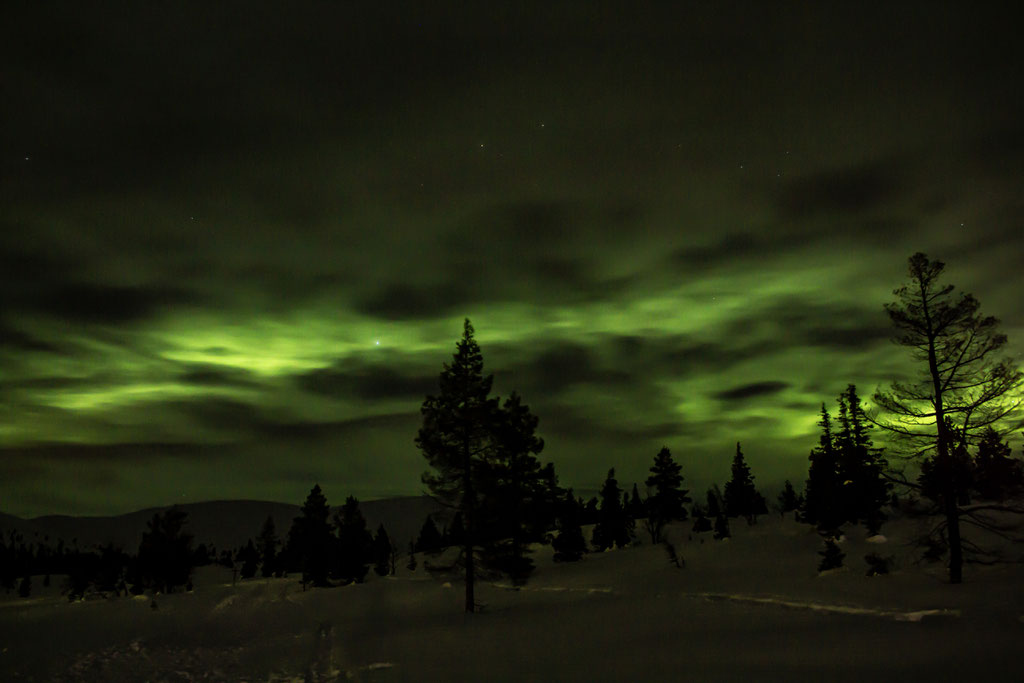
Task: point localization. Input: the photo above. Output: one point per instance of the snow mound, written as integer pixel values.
(877, 538)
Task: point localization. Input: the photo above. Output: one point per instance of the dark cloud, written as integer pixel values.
(846, 191)
(794, 322)
(400, 301)
(673, 355)
(213, 375)
(110, 305)
(752, 390)
(16, 340)
(371, 381)
(563, 422)
(558, 367)
(83, 455)
(235, 417)
(302, 431)
(733, 249)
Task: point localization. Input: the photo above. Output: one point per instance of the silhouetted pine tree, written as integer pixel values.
(831, 556)
(519, 496)
(788, 499)
(636, 508)
(997, 476)
(667, 502)
(381, 552)
(354, 543)
(250, 558)
(267, 547)
(590, 511)
(569, 545)
(429, 539)
(310, 539)
(165, 553)
(201, 557)
(701, 523)
(456, 438)
(721, 527)
(108, 570)
(613, 526)
(934, 477)
(822, 502)
(864, 491)
(741, 498)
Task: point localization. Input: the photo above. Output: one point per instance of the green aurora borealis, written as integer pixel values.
(237, 241)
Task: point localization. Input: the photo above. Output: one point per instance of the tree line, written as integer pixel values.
(947, 423)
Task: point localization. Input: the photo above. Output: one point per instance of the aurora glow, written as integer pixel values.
(236, 246)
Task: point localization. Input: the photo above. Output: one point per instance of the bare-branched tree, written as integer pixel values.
(962, 388)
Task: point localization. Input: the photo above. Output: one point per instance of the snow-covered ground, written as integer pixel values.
(752, 608)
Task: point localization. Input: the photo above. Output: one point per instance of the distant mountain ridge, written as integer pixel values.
(221, 523)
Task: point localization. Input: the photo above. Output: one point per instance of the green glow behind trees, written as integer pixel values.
(961, 387)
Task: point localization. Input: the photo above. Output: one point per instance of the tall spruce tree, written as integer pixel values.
(613, 525)
(569, 545)
(961, 389)
(354, 544)
(864, 490)
(741, 498)
(516, 507)
(165, 554)
(821, 499)
(250, 559)
(788, 499)
(456, 438)
(997, 476)
(310, 539)
(429, 539)
(267, 547)
(668, 500)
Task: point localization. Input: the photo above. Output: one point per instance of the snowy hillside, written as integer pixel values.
(752, 608)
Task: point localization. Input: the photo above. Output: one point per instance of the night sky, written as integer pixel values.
(238, 240)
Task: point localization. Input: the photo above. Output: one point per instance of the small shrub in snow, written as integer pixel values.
(721, 527)
(701, 523)
(877, 564)
(831, 556)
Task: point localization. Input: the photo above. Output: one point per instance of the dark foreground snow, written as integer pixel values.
(751, 609)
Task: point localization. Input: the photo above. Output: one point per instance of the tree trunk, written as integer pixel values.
(945, 458)
(470, 600)
(956, 557)
(469, 521)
